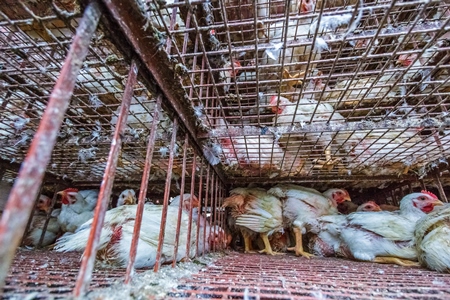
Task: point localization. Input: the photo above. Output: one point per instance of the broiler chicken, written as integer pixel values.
(324, 239)
(369, 206)
(116, 235)
(254, 211)
(127, 197)
(77, 208)
(43, 207)
(296, 30)
(432, 235)
(302, 205)
(258, 154)
(386, 237)
(308, 111)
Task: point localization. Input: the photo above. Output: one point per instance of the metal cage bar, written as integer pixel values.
(31, 174)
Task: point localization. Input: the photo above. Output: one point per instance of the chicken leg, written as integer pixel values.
(267, 247)
(396, 260)
(247, 243)
(299, 244)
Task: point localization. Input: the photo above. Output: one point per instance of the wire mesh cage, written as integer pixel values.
(228, 93)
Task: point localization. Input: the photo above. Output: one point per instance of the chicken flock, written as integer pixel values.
(286, 217)
(302, 216)
(70, 227)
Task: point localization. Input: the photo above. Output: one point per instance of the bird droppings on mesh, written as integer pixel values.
(155, 285)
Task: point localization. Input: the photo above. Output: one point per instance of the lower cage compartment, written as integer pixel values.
(52, 275)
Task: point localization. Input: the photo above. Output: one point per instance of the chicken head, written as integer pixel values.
(369, 206)
(337, 195)
(44, 203)
(425, 201)
(127, 197)
(306, 6)
(68, 196)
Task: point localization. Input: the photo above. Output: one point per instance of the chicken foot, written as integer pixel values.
(329, 162)
(267, 247)
(396, 260)
(299, 244)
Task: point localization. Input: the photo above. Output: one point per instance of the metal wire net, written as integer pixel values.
(340, 88)
(34, 41)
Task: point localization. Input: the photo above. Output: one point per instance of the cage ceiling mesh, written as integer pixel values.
(280, 89)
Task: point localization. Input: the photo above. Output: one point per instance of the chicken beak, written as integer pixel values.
(347, 198)
(129, 200)
(437, 202)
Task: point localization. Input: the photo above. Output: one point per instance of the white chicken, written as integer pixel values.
(325, 239)
(386, 237)
(296, 30)
(37, 226)
(77, 208)
(308, 111)
(43, 207)
(258, 154)
(301, 205)
(116, 236)
(127, 197)
(253, 210)
(432, 235)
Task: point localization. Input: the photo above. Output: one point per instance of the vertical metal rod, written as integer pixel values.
(180, 208)
(143, 190)
(189, 229)
(200, 189)
(213, 206)
(56, 188)
(33, 212)
(440, 188)
(162, 228)
(26, 187)
(220, 212)
(87, 263)
(206, 209)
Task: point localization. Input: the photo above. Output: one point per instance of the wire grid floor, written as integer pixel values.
(52, 275)
(255, 276)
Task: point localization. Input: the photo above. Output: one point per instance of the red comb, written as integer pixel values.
(429, 193)
(71, 190)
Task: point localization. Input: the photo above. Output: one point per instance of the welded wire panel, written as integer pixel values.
(34, 40)
(295, 71)
(255, 276)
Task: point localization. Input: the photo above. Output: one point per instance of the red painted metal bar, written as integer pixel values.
(162, 228)
(214, 182)
(143, 190)
(189, 229)
(20, 201)
(440, 187)
(206, 208)
(200, 189)
(49, 214)
(180, 208)
(87, 264)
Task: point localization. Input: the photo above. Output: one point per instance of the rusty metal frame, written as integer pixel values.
(32, 172)
(162, 229)
(90, 252)
(143, 191)
(181, 206)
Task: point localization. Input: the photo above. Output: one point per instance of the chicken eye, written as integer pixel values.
(422, 198)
